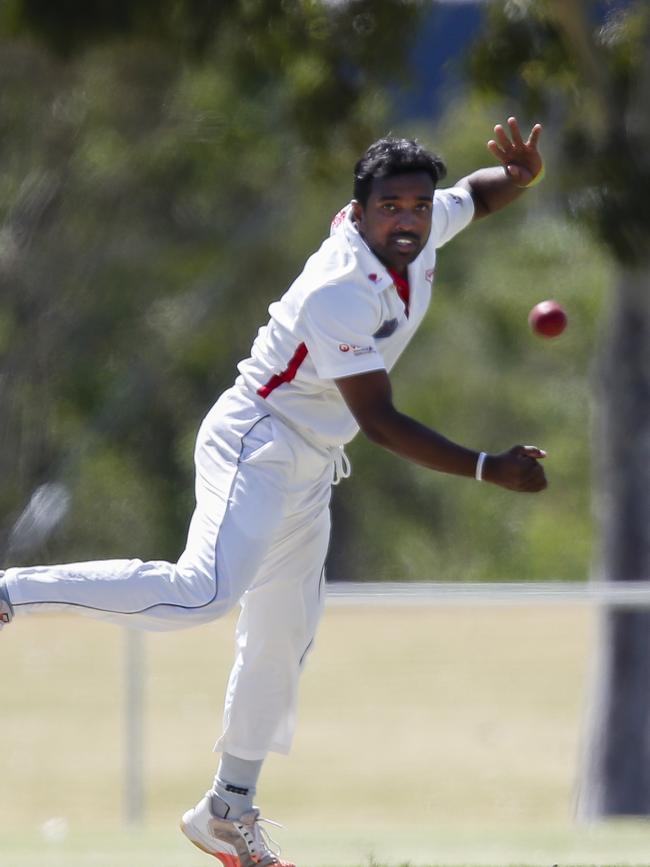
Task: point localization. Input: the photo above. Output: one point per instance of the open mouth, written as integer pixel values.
(405, 243)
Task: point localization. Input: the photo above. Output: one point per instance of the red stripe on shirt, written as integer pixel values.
(287, 374)
(403, 288)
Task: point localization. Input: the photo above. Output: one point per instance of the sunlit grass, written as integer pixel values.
(427, 737)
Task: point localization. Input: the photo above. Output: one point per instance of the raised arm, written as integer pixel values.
(369, 398)
(521, 168)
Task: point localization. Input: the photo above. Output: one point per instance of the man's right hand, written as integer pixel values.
(518, 469)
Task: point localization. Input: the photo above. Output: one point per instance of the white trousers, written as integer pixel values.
(258, 536)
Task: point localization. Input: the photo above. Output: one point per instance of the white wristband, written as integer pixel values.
(478, 475)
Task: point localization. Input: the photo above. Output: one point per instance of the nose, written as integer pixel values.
(406, 221)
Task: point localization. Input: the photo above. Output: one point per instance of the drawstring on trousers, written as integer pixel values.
(342, 465)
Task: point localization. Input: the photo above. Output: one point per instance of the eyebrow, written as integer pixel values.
(395, 197)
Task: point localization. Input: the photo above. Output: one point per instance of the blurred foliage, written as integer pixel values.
(163, 179)
(594, 77)
(70, 26)
(307, 65)
(153, 202)
(589, 76)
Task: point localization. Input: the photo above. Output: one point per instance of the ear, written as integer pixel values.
(357, 210)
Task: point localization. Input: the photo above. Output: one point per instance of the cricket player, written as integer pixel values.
(271, 447)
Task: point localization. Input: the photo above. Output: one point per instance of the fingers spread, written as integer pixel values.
(513, 142)
(535, 133)
(502, 138)
(496, 151)
(514, 131)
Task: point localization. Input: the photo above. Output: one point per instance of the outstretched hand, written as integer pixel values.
(521, 159)
(518, 469)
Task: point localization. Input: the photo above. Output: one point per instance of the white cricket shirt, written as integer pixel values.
(341, 317)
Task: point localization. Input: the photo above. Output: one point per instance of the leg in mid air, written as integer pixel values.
(158, 595)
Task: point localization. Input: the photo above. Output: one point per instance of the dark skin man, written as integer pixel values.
(396, 223)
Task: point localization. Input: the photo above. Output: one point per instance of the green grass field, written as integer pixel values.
(427, 736)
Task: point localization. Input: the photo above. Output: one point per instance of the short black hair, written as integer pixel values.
(394, 156)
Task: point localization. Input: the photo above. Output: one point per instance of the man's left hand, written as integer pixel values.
(521, 159)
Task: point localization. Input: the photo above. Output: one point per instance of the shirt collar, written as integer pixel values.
(374, 272)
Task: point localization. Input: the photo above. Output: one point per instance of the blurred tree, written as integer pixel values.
(325, 58)
(72, 26)
(158, 164)
(592, 78)
(156, 198)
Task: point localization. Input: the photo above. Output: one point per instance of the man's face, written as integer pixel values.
(396, 221)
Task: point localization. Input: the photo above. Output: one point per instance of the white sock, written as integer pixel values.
(234, 786)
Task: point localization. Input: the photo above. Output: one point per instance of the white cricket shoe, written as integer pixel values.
(5, 613)
(236, 843)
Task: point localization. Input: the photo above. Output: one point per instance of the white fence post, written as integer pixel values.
(134, 727)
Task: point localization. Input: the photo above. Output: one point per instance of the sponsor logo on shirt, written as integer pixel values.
(457, 199)
(354, 349)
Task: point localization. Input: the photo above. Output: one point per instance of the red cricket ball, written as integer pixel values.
(548, 319)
